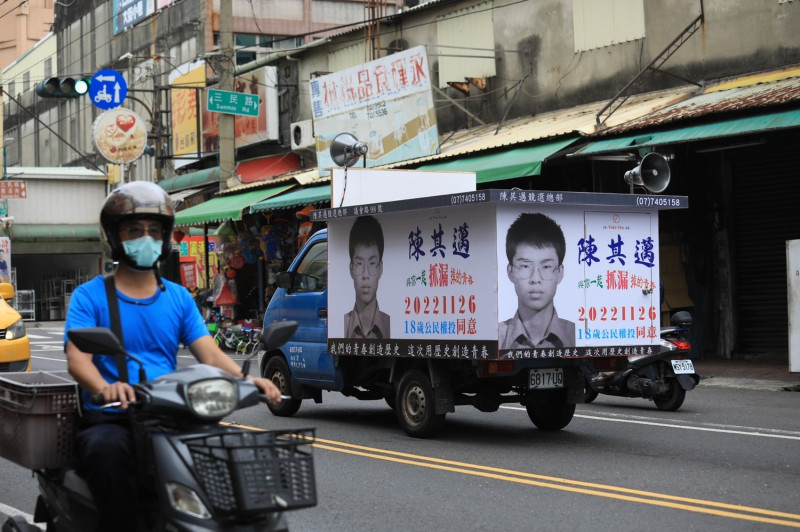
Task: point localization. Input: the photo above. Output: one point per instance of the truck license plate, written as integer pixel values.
(547, 378)
(682, 366)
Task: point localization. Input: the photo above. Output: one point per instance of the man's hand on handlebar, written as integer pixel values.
(269, 389)
(118, 392)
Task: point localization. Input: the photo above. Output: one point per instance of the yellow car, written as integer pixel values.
(15, 346)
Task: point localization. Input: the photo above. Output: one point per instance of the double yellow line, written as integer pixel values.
(720, 509)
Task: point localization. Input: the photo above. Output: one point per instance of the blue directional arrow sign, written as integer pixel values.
(108, 89)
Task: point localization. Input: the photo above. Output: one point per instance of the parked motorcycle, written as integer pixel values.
(194, 472)
(663, 377)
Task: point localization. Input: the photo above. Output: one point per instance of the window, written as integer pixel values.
(312, 273)
(465, 44)
(598, 23)
(26, 81)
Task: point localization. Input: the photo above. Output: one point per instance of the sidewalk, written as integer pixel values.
(749, 374)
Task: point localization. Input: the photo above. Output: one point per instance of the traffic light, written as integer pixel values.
(62, 87)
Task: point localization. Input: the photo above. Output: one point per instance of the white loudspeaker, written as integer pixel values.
(346, 150)
(652, 173)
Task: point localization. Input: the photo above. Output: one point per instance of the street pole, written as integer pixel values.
(227, 149)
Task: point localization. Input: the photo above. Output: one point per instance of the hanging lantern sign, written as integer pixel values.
(120, 135)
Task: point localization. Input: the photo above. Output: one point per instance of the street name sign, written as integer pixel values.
(234, 103)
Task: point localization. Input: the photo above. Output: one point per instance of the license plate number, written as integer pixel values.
(682, 366)
(547, 378)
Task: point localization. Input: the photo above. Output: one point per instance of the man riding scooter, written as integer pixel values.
(153, 318)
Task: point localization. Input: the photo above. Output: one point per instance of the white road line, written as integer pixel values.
(744, 431)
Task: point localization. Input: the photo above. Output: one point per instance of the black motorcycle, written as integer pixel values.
(663, 377)
(195, 473)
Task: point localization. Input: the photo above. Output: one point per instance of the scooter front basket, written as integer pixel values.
(248, 471)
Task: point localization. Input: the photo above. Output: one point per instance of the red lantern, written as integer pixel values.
(178, 235)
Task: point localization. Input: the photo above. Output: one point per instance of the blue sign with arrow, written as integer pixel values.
(108, 89)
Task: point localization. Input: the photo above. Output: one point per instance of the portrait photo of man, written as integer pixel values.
(366, 267)
(535, 248)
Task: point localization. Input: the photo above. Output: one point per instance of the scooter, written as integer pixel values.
(663, 377)
(195, 473)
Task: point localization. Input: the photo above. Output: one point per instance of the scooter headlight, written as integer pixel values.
(185, 500)
(212, 398)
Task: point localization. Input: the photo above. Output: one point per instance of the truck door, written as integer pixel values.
(306, 302)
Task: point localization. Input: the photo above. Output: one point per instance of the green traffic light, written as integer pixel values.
(63, 87)
(82, 86)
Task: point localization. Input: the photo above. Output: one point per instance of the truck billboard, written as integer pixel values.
(493, 275)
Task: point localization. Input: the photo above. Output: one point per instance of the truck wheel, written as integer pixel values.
(552, 414)
(277, 371)
(416, 409)
(673, 399)
(589, 394)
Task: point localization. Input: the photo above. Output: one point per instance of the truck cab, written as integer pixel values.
(302, 296)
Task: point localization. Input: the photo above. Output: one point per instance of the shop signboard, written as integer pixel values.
(494, 274)
(5, 259)
(120, 135)
(185, 82)
(386, 104)
(126, 13)
(16, 188)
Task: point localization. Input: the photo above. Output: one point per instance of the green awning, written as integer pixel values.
(516, 162)
(224, 208)
(720, 128)
(43, 232)
(196, 179)
(301, 196)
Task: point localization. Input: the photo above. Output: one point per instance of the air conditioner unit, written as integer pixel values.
(302, 135)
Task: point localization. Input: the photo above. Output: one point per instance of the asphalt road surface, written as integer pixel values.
(727, 460)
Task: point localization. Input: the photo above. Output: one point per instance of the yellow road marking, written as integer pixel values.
(720, 509)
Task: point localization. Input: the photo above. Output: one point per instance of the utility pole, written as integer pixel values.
(227, 149)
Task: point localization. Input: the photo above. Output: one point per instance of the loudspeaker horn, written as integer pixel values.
(346, 150)
(652, 173)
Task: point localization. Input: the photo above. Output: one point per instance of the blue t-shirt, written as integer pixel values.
(152, 328)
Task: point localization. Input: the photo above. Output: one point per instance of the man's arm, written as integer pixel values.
(80, 366)
(208, 352)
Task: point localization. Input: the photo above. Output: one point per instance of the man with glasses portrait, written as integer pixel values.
(366, 267)
(535, 247)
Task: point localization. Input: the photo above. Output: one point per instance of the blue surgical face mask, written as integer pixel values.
(143, 251)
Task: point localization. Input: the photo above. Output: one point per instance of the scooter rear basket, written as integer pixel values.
(38, 411)
(251, 471)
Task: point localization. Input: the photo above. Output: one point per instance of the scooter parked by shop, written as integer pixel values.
(195, 473)
(663, 377)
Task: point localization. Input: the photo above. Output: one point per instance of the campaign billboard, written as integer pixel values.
(495, 275)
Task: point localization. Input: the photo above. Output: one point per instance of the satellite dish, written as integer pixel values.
(346, 150)
(652, 173)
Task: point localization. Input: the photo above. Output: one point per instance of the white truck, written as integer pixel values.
(464, 299)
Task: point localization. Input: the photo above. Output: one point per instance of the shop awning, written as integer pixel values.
(43, 232)
(224, 208)
(196, 179)
(507, 164)
(265, 167)
(720, 128)
(178, 197)
(302, 196)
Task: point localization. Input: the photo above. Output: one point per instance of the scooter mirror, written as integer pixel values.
(277, 334)
(96, 340)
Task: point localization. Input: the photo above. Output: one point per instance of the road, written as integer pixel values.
(728, 460)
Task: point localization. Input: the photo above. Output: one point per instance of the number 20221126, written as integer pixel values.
(438, 305)
(620, 313)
